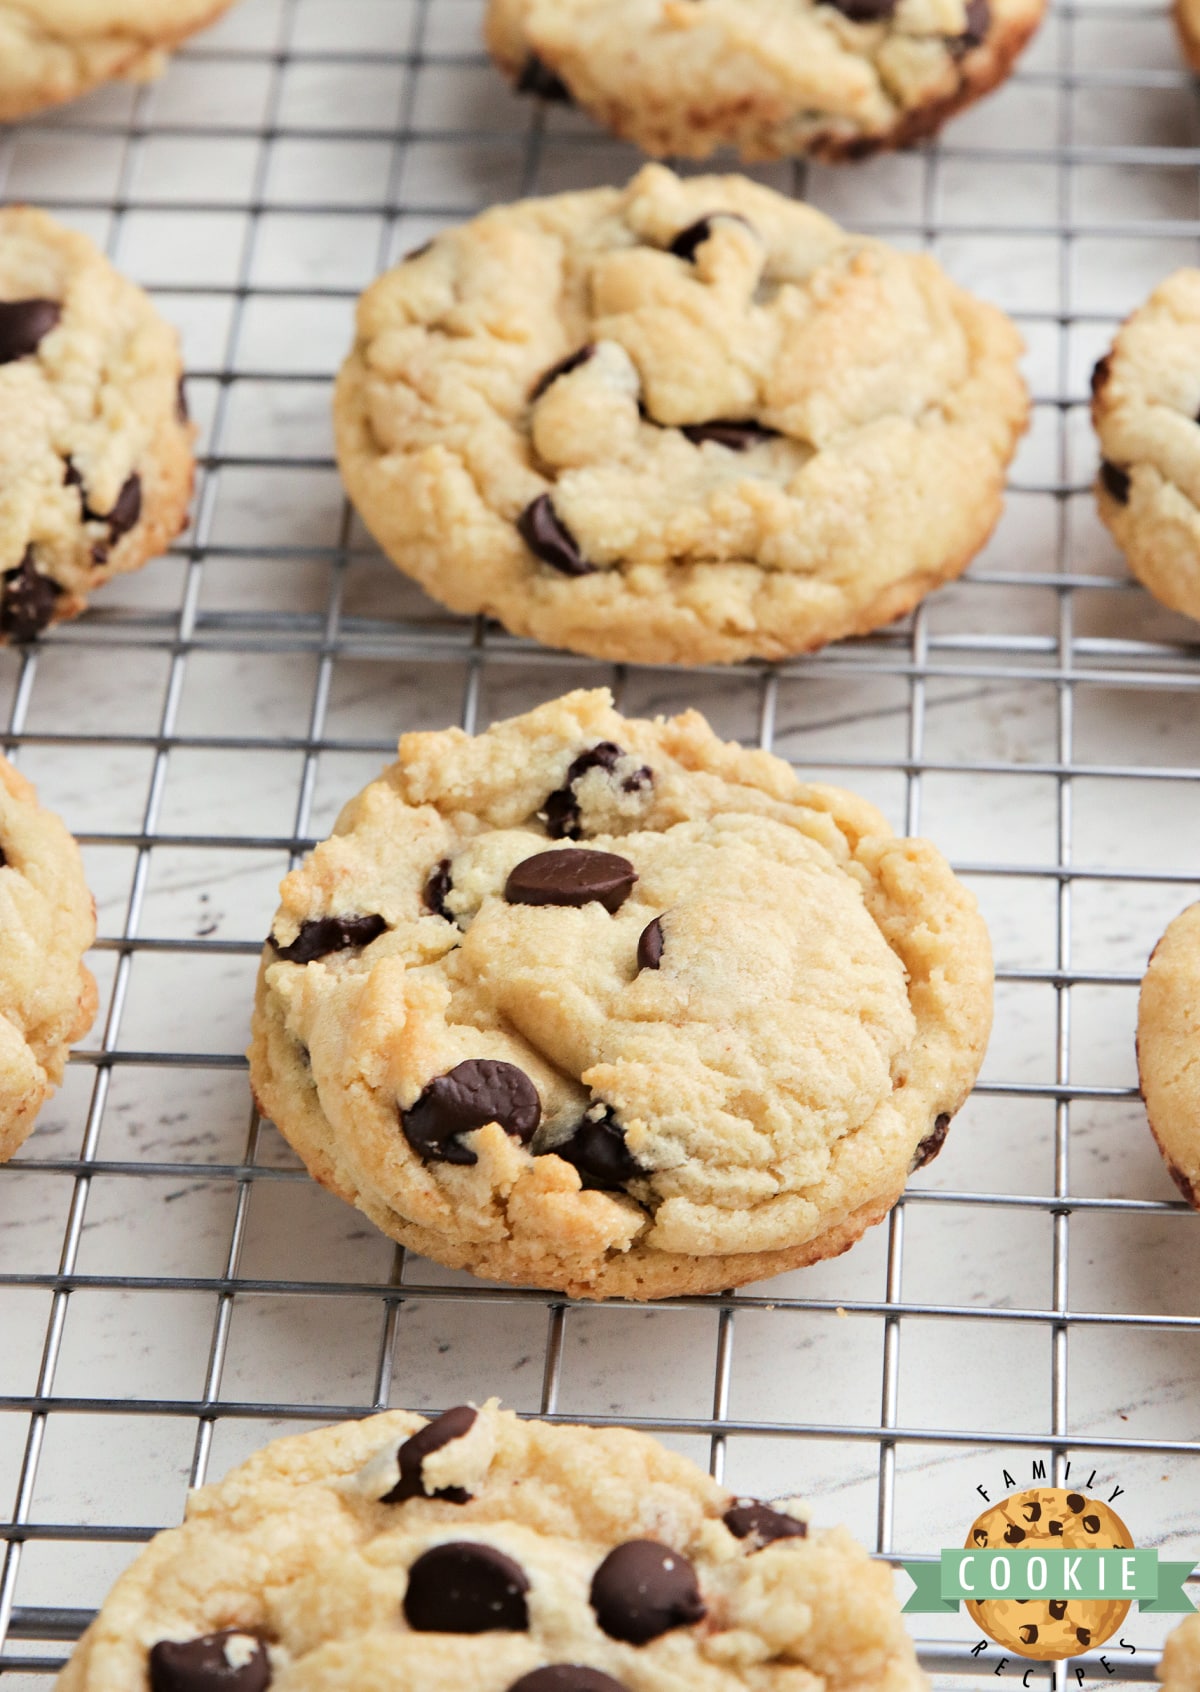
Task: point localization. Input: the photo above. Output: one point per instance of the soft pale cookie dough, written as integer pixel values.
(95, 447)
(688, 420)
(1168, 1047)
(837, 78)
(477, 1552)
(613, 1007)
(55, 50)
(47, 923)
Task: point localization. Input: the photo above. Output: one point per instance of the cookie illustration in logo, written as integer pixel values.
(1055, 1518)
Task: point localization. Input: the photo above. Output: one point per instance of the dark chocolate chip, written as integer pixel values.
(1028, 1634)
(23, 323)
(418, 252)
(734, 433)
(330, 934)
(637, 779)
(548, 538)
(650, 945)
(28, 600)
(537, 78)
(1115, 481)
(1101, 371)
(181, 402)
(3, 857)
(864, 11)
(596, 1148)
(1084, 1635)
(566, 1677)
(1013, 1535)
(100, 553)
(465, 1588)
(561, 809)
(571, 876)
(1055, 1530)
(643, 1589)
(201, 1665)
(472, 1094)
(979, 21)
(1075, 1501)
(1032, 1511)
(436, 889)
(980, 1536)
(931, 1145)
(688, 241)
(450, 1425)
(1058, 1608)
(564, 367)
(752, 1520)
(128, 509)
(1091, 1524)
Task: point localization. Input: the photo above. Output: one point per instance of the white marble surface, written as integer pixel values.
(256, 248)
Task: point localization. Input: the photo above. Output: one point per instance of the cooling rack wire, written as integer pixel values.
(173, 1289)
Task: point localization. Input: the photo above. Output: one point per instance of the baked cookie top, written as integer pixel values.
(681, 421)
(1179, 1670)
(1145, 408)
(47, 923)
(610, 1006)
(478, 1551)
(838, 78)
(1168, 1032)
(54, 50)
(95, 447)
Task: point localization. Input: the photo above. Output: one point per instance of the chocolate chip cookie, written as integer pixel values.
(481, 1552)
(47, 923)
(1179, 1670)
(836, 78)
(612, 1007)
(55, 50)
(95, 446)
(1145, 408)
(684, 421)
(1168, 1034)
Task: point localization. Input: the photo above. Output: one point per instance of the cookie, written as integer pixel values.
(95, 447)
(686, 421)
(838, 79)
(1054, 1517)
(1187, 28)
(478, 1551)
(1168, 1034)
(55, 50)
(47, 923)
(1145, 408)
(612, 1007)
(1179, 1670)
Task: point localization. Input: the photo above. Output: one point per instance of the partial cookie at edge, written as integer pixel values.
(1168, 1050)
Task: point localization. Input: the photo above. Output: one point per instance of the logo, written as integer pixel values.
(1049, 1573)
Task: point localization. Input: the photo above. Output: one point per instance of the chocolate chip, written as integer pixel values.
(1032, 1511)
(1058, 1608)
(28, 600)
(318, 938)
(1013, 1535)
(1115, 481)
(126, 512)
(864, 11)
(570, 876)
(564, 367)
(465, 1588)
(548, 538)
(436, 889)
(650, 945)
(537, 78)
(980, 1536)
(756, 1521)
(1101, 371)
(637, 779)
(596, 1148)
(729, 432)
(979, 21)
(472, 1094)
(23, 323)
(688, 241)
(561, 809)
(1084, 1635)
(566, 1677)
(643, 1589)
(1028, 1634)
(181, 402)
(931, 1145)
(1055, 1530)
(1075, 1501)
(450, 1425)
(1091, 1524)
(203, 1665)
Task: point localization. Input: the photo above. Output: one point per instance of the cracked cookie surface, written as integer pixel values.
(47, 923)
(1168, 1044)
(609, 1006)
(95, 447)
(481, 1551)
(55, 50)
(839, 80)
(684, 421)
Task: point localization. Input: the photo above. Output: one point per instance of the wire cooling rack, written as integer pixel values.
(173, 1289)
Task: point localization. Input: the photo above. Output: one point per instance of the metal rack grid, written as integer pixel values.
(173, 1289)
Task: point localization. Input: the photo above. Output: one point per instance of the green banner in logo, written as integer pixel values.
(1048, 1572)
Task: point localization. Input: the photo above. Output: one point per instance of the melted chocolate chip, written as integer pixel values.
(643, 1589)
(564, 367)
(1115, 481)
(203, 1665)
(864, 11)
(1091, 1524)
(688, 241)
(650, 945)
(979, 21)
(751, 1520)
(548, 538)
(1101, 371)
(570, 876)
(1013, 1535)
(319, 938)
(27, 601)
(465, 1588)
(731, 432)
(23, 324)
(181, 402)
(931, 1145)
(436, 889)
(452, 1424)
(537, 78)
(1058, 1608)
(566, 1677)
(561, 809)
(472, 1094)
(1075, 1501)
(596, 1148)
(128, 509)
